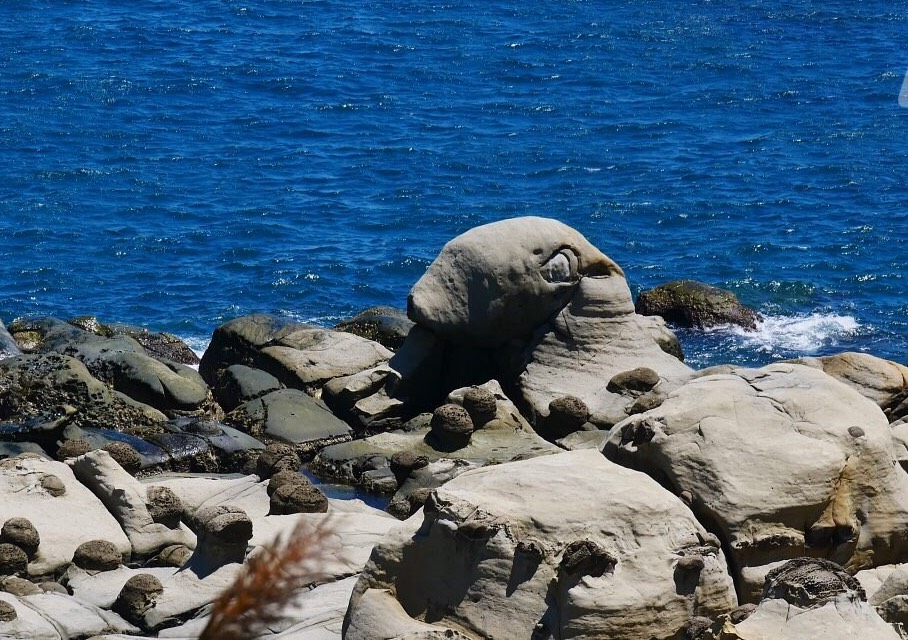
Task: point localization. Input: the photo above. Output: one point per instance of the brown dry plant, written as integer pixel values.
(270, 579)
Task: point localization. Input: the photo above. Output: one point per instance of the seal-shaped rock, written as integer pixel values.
(689, 303)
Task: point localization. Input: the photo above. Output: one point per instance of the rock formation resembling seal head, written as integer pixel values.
(501, 281)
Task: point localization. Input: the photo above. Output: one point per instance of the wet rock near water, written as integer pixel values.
(688, 303)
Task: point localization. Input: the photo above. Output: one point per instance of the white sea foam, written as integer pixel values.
(802, 334)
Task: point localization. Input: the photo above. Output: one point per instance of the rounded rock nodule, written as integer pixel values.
(451, 426)
(97, 555)
(298, 497)
(125, 456)
(22, 533)
(13, 560)
(53, 485)
(566, 415)
(164, 506)
(481, 405)
(137, 596)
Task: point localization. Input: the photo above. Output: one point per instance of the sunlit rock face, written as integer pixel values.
(501, 281)
(529, 302)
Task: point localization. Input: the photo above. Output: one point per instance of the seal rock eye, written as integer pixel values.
(562, 267)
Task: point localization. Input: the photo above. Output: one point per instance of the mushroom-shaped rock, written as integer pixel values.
(566, 415)
(223, 535)
(773, 463)
(511, 551)
(22, 533)
(137, 596)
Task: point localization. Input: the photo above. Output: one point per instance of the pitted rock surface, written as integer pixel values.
(22, 533)
(97, 555)
(811, 582)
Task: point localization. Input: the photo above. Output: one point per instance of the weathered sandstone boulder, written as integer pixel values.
(780, 462)
(568, 545)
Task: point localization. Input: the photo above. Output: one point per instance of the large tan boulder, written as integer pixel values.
(567, 546)
(782, 461)
(529, 302)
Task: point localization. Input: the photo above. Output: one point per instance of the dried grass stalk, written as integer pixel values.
(269, 581)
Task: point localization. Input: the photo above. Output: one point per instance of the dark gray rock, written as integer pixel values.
(292, 416)
(239, 384)
(57, 391)
(161, 346)
(239, 342)
(386, 325)
(151, 456)
(688, 303)
(97, 555)
(22, 533)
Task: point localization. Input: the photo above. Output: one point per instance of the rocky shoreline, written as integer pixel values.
(552, 468)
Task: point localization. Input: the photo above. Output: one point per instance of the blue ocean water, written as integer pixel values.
(175, 164)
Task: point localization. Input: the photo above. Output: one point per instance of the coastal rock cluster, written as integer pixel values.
(548, 466)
